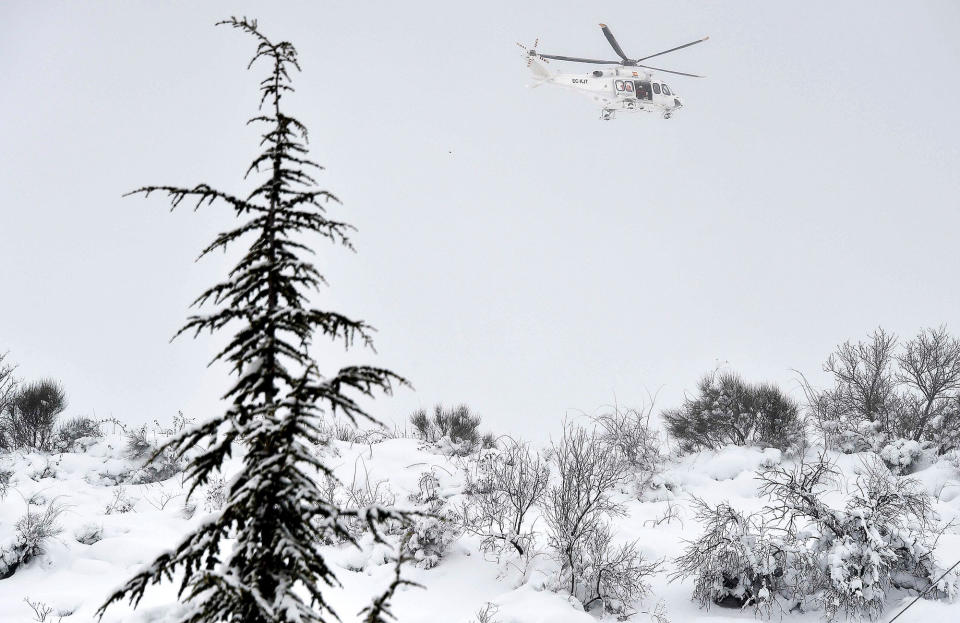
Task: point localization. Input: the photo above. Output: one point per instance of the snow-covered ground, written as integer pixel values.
(111, 526)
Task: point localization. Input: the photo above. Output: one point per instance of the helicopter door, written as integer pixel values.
(643, 90)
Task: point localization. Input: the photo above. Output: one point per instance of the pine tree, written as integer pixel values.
(276, 516)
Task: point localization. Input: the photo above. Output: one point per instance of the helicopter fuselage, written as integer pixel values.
(621, 89)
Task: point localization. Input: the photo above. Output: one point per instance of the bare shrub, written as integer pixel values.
(639, 443)
(362, 492)
(728, 410)
(160, 462)
(486, 614)
(215, 495)
(8, 389)
(577, 509)
(41, 611)
(457, 429)
(121, 503)
(32, 531)
(614, 575)
(513, 480)
(75, 429)
(32, 414)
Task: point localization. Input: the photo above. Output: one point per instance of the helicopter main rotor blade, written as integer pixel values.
(613, 42)
(668, 71)
(578, 60)
(679, 47)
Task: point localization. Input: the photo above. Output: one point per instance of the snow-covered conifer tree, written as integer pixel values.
(259, 561)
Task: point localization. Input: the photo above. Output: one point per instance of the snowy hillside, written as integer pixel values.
(112, 519)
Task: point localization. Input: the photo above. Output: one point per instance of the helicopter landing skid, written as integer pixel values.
(607, 114)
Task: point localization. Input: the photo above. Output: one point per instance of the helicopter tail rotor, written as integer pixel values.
(531, 52)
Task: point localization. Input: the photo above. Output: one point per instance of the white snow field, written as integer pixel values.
(124, 525)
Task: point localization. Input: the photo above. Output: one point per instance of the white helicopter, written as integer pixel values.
(624, 87)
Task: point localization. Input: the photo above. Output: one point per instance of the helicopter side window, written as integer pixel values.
(666, 90)
(619, 84)
(628, 86)
(656, 88)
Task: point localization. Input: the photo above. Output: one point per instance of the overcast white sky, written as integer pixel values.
(551, 262)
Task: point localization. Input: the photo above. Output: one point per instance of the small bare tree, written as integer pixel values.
(864, 375)
(881, 393)
(577, 510)
(514, 480)
(930, 365)
(8, 388)
(617, 574)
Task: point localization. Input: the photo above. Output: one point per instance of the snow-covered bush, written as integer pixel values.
(428, 539)
(32, 531)
(800, 553)
(456, 430)
(736, 562)
(509, 482)
(901, 454)
(728, 410)
(88, 534)
(883, 537)
(6, 476)
(577, 509)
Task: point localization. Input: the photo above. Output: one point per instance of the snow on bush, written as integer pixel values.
(736, 562)
(6, 477)
(88, 534)
(31, 533)
(428, 540)
(800, 553)
(901, 454)
(882, 538)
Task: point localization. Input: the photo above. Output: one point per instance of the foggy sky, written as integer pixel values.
(513, 251)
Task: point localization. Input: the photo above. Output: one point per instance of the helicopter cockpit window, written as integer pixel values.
(619, 84)
(666, 90)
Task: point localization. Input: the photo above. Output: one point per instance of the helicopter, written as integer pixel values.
(626, 86)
